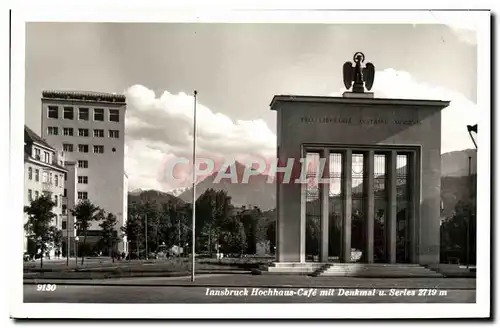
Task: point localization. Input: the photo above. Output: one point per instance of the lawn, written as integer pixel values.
(104, 268)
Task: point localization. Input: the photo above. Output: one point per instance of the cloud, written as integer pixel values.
(159, 129)
(391, 83)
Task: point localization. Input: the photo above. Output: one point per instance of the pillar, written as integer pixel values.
(370, 204)
(392, 206)
(347, 210)
(413, 205)
(324, 194)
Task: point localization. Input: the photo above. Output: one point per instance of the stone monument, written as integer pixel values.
(382, 167)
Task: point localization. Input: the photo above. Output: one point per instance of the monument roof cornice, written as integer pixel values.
(357, 101)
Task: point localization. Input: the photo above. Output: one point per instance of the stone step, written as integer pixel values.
(375, 270)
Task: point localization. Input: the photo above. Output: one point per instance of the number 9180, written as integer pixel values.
(46, 287)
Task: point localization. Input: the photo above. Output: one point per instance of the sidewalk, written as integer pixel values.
(282, 281)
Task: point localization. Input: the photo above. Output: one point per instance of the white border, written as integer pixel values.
(142, 12)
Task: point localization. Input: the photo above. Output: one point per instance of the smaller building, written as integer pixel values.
(44, 173)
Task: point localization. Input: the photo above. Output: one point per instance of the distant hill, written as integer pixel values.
(456, 163)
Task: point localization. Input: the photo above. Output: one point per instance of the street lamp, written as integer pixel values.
(472, 130)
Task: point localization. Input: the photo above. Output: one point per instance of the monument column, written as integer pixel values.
(370, 204)
(347, 208)
(392, 206)
(324, 194)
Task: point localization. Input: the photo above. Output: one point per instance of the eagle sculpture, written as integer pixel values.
(358, 77)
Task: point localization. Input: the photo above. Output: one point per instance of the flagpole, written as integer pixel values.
(193, 238)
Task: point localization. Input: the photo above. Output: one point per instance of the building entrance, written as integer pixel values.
(360, 203)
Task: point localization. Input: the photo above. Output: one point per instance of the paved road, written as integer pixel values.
(144, 294)
(181, 290)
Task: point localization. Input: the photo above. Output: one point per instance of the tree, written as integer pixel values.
(57, 237)
(454, 233)
(232, 236)
(109, 235)
(84, 213)
(37, 228)
(134, 227)
(212, 211)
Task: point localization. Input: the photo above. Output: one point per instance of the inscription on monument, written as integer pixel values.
(357, 121)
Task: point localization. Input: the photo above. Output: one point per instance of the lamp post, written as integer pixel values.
(472, 130)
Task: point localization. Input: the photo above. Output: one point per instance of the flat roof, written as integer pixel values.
(359, 101)
(88, 96)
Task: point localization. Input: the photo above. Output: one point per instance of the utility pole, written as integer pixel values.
(469, 213)
(193, 237)
(68, 248)
(146, 234)
(179, 234)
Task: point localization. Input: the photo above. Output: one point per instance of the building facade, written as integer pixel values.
(379, 197)
(89, 128)
(43, 173)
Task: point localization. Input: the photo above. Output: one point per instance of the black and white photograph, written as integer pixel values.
(251, 162)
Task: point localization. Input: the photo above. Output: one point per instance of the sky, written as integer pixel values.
(237, 69)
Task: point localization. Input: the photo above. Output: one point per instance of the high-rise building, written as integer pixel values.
(89, 128)
(43, 174)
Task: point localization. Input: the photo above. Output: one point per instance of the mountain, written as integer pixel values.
(177, 191)
(257, 192)
(151, 196)
(137, 191)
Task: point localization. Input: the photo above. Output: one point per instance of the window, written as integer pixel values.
(83, 164)
(83, 114)
(68, 148)
(56, 182)
(83, 148)
(98, 114)
(53, 112)
(30, 195)
(37, 154)
(114, 115)
(64, 209)
(68, 131)
(68, 113)
(83, 179)
(83, 132)
(56, 200)
(36, 194)
(52, 131)
(65, 176)
(82, 195)
(63, 225)
(50, 178)
(45, 177)
(65, 194)
(114, 134)
(46, 157)
(37, 175)
(30, 173)
(98, 133)
(98, 149)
